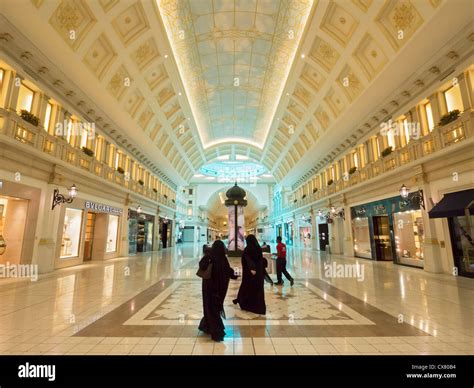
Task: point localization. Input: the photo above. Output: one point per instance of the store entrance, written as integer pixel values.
(383, 245)
(323, 236)
(144, 235)
(164, 234)
(89, 237)
(13, 215)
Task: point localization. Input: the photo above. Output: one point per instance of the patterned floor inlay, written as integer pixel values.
(311, 308)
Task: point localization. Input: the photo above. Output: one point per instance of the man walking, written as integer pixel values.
(281, 264)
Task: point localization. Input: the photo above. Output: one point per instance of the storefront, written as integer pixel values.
(140, 232)
(322, 223)
(19, 207)
(88, 231)
(458, 209)
(278, 231)
(390, 230)
(166, 226)
(289, 232)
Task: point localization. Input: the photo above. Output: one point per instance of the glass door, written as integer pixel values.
(383, 246)
(89, 237)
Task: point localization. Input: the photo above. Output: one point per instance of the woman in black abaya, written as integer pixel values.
(251, 296)
(214, 290)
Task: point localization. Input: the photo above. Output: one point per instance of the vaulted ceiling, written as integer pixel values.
(189, 81)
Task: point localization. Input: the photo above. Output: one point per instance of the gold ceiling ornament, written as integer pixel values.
(68, 16)
(403, 16)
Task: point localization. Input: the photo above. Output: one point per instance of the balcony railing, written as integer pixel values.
(13, 126)
(441, 137)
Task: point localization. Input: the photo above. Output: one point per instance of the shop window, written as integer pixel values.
(361, 233)
(429, 116)
(462, 239)
(25, 98)
(2, 75)
(453, 98)
(71, 233)
(190, 191)
(47, 116)
(409, 234)
(190, 211)
(112, 232)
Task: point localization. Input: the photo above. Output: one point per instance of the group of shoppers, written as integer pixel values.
(251, 295)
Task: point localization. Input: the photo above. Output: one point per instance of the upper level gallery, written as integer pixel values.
(440, 120)
(29, 116)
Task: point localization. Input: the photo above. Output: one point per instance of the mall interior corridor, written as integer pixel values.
(151, 304)
(236, 177)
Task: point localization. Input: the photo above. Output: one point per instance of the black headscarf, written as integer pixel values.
(253, 248)
(220, 274)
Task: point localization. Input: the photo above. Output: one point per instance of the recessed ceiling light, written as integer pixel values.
(287, 93)
(302, 55)
(166, 56)
(179, 93)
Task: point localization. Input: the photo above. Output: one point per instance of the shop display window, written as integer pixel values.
(112, 233)
(409, 234)
(71, 233)
(462, 238)
(361, 233)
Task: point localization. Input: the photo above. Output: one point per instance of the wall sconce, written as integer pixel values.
(417, 196)
(59, 198)
(404, 192)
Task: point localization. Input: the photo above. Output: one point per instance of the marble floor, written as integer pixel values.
(151, 304)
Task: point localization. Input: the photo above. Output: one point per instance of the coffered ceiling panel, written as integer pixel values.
(234, 57)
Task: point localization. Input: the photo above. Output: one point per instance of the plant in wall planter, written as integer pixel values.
(387, 151)
(166, 197)
(87, 151)
(155, 190)
(304, 196)
(352, 170)
(30, 117)
(315, 190)
(173, 201)
(120, 170)
(330, 182)
(141, 183)
(448, 117)
(295, 200)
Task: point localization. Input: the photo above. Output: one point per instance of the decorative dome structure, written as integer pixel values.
(236, 196)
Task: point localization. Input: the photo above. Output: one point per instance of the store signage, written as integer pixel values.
(380, 209)
(98, 207)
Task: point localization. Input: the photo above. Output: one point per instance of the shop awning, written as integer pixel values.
(454, 205)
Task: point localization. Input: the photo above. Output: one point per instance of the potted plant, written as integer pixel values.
(141, 183)
(330, 182)
(352, 170)
(87, 151)
(30, 117)
(448, 117)
(387, 151)
(120, 170)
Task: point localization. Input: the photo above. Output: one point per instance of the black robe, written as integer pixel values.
(214, 291)
(251, 296)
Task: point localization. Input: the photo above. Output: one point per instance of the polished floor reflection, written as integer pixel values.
(150, 304)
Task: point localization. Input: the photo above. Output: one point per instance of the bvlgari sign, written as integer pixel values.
(101, 208)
